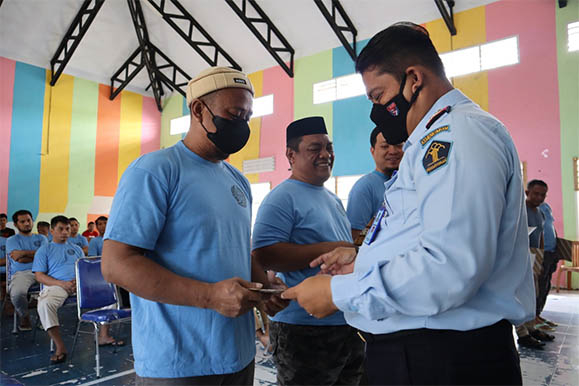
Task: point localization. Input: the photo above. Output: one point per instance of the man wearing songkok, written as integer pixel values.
(178, 239)
(297, 221)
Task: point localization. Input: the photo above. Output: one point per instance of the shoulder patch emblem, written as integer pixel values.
(239, 196)
(436, 156)
(37, 243)
(431, 135)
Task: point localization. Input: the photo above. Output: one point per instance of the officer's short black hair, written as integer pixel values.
(3, 215)
(535, 183)
(58, 220)
(374, 136)
(101, 218)
(398, 47)
(20, 212)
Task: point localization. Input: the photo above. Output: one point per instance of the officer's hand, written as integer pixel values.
(315, 295)
(340, 261)
(232, 297)
(275, 303)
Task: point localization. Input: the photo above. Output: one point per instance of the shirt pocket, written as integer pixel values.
(409, 204)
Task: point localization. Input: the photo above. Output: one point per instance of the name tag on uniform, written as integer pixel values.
(375, 228)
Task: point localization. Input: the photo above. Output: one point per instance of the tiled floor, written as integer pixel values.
(24, 360)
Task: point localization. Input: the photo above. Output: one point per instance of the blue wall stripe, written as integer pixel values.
(352, 124)
(26, 138)
(185, 112)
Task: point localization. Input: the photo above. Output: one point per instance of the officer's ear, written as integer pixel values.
(196, 108)
(414, 78)
(290, 155)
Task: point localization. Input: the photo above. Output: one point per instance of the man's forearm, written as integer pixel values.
(25, 256)
(47, 280)
(130, 269)
(285, 257)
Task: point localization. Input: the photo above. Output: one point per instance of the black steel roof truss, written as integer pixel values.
(187, 33)
(339, 29)
(73, 36)
(251, 23)
(132, 66)
(146, 54)
(447, 15)
(177, 79)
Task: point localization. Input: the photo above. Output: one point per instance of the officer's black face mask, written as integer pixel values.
(391, 117)
(231, 135)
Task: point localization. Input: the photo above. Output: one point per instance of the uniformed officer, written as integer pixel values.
(444, 271)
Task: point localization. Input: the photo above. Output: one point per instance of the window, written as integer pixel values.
(461, 62)
(258, 192)
(524, 173)
(573, 36)
(341, 186)
(262, 106)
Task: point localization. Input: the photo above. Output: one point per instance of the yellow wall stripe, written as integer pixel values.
(130, 129)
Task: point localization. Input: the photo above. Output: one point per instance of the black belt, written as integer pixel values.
(371, 338)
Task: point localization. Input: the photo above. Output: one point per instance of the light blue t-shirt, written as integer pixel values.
(78, 240)
(365, 199)
(300, 213)
(95, 247)
(452, 250)
(23, 243)
(2, 253)
(549, 233)
(57, 260)
(193, 217)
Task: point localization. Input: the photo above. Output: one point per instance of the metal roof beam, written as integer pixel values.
(250, 22)
(338, 29)
(447, 15)
(73, 36)
(132, 66)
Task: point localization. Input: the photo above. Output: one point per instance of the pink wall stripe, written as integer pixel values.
(151, 129)
(525, 97)
(7, 68)
(272, 142)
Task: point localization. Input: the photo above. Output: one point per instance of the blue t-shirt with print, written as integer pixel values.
(193, 217)
(300, 213)
(2, 253)
(57, 260)
(20, 242)
(78, 240)
(95, 247)
(365, 199)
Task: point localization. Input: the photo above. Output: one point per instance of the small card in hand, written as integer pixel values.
(268, 290)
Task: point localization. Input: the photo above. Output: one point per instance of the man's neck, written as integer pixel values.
(387, 172)
(305, 180)
(58, 242)
(530, 206)
(199, 146)
(25, 234)
(424, 104)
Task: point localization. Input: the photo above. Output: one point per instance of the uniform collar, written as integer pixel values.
(451, 98)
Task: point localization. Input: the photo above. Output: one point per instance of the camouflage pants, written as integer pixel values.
(317, 355)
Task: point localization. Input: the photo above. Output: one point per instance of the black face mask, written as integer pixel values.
(231, 135)
(391, 117)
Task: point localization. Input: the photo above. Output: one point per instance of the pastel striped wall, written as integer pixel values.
(66, 146)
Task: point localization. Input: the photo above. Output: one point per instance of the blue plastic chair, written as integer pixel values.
(93, 293)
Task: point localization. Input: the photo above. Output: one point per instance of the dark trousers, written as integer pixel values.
(243, 377)
(485, 356)
(316, 355)
(550, 261)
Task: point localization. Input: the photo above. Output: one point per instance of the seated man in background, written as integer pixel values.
(298, 221)
(20, 250)
(75, 237)
(367, 194)
(90, 233)
(4, 230)
(95, 246)
(2, 265)
(54, 267)
(43, 228)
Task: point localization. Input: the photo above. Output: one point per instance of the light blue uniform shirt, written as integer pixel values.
(2, 253)
(194, 218)
(78, 240)
(549, 233)
(23, 243)
(95, 247)
(365, 199)
(57, 260)
(299, 213)
(452, 251)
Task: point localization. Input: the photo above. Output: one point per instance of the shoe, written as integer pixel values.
(544, 327)
(56, 359)
(542, 336)
(530, 342)
(24, 324)
(547, 322)
(114, 343)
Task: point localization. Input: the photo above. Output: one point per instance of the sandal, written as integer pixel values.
(114, 343)
(56, 359)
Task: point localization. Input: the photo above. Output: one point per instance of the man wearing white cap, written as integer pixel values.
(190, 282)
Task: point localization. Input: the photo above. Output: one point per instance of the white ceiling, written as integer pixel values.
(31, 30)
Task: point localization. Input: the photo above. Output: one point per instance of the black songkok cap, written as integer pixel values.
(306, 126)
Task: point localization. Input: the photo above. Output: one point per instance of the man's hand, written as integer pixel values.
(340, 261)
(232, 297)
(275, 303)
(17, 255)
(68, 286)
(315, 295)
